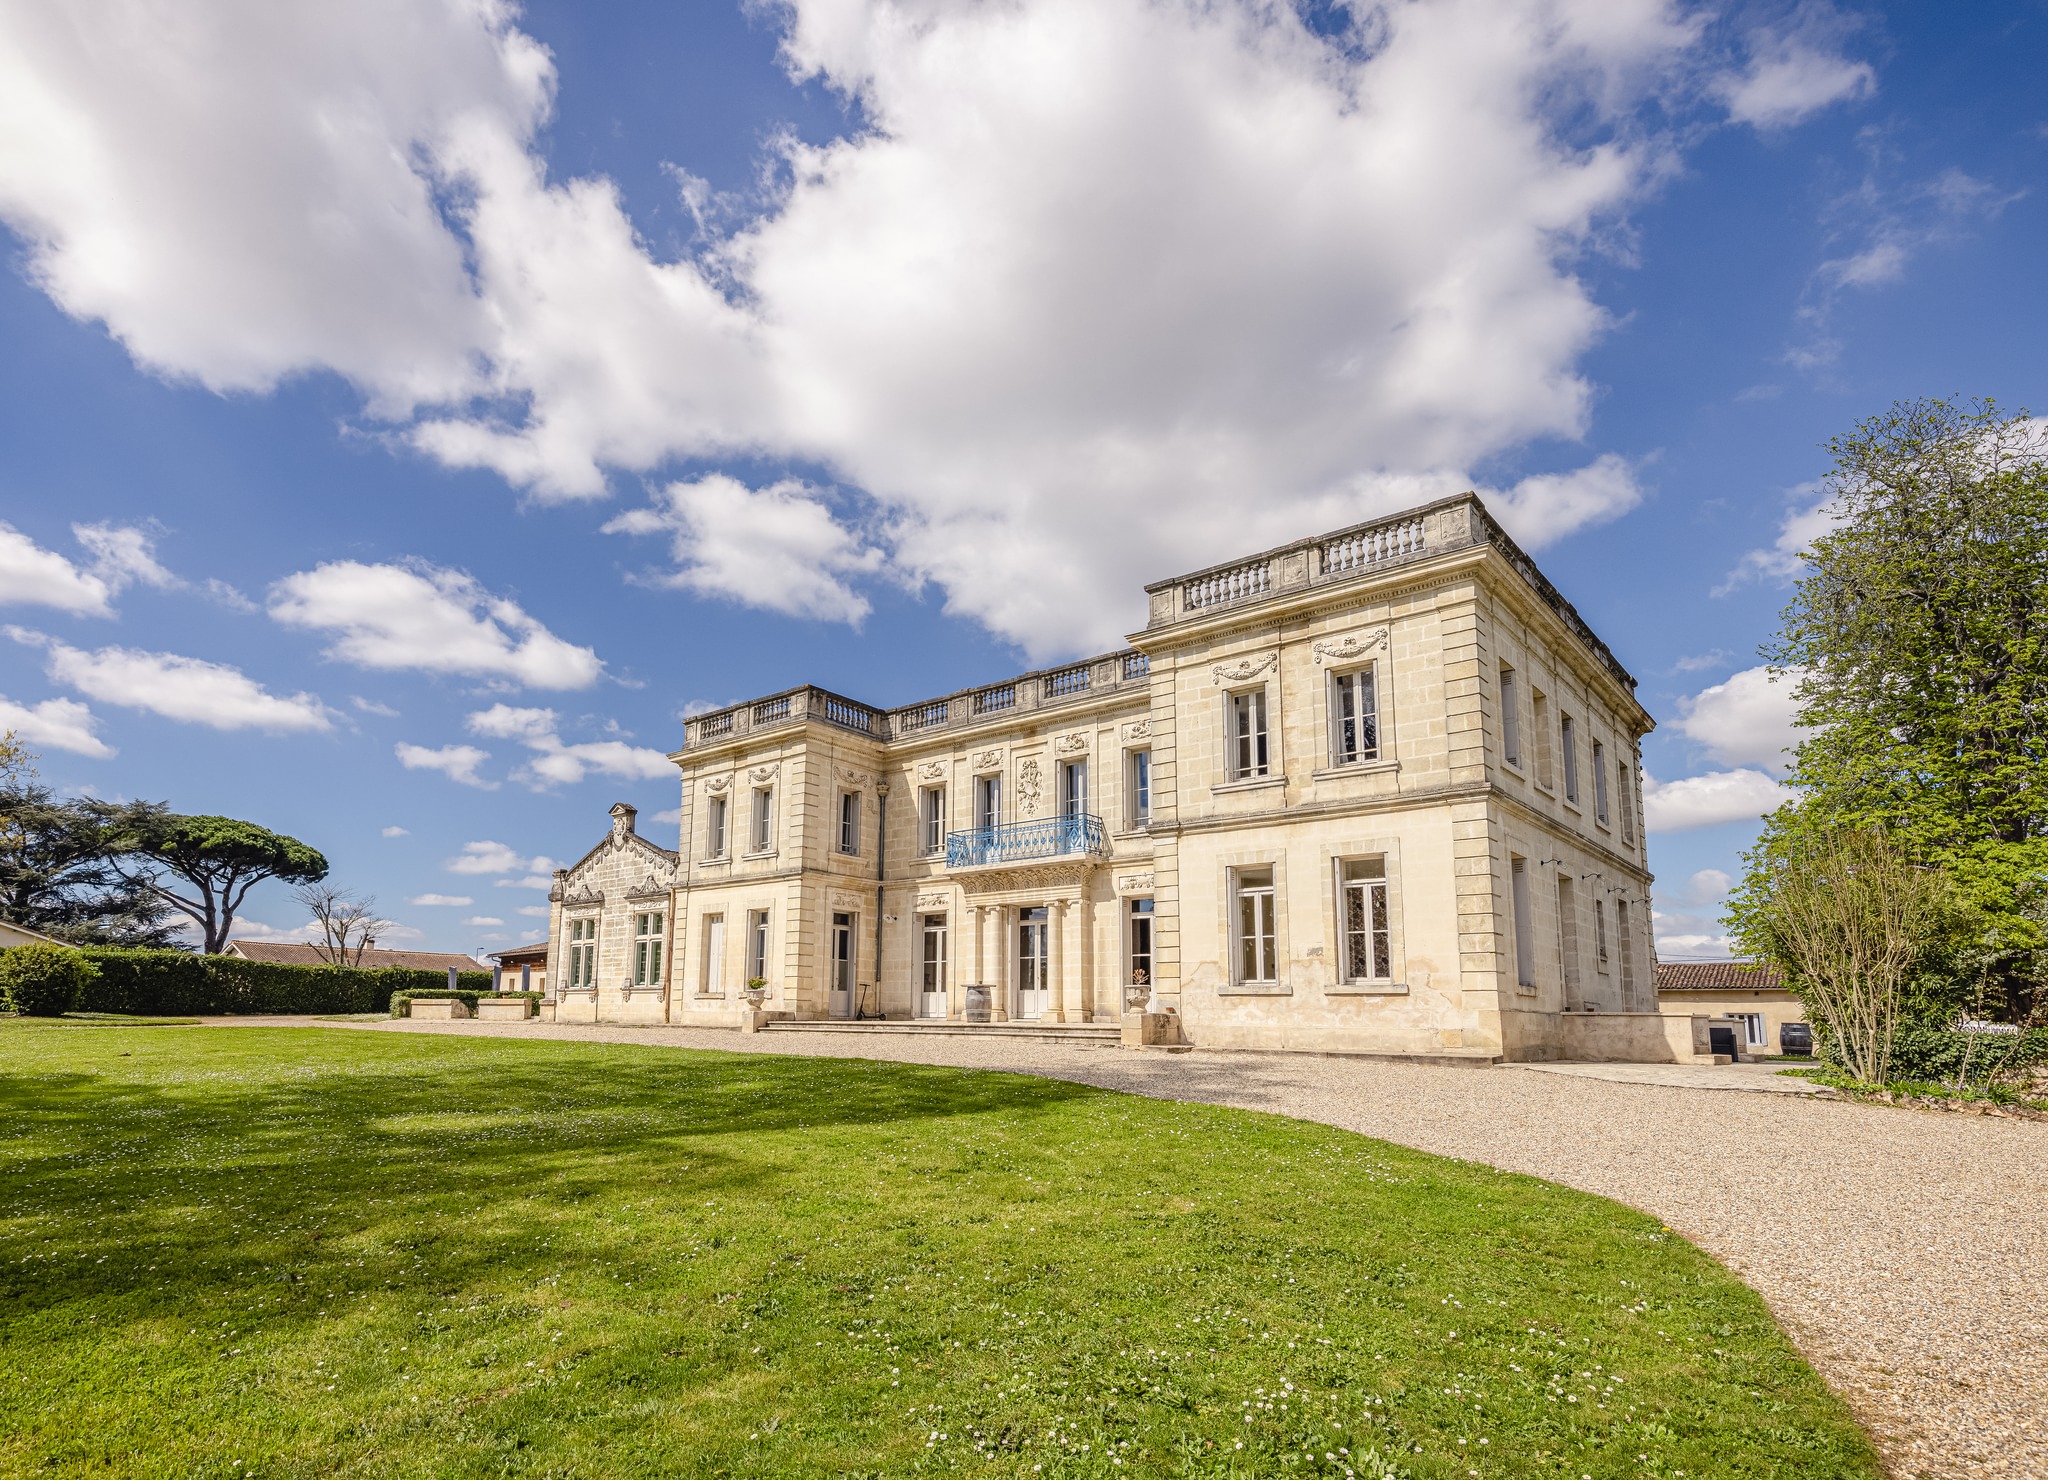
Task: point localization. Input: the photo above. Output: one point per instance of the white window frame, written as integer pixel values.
(582, 962)
(650, 933)
(1138, 780)
(1074, 788)
(1376, 893)
(1248, 733)
(849, 823)
(931, 974)
(715, 819)
(1367, 722)
(1568, 747)
(1258, 888)
(1134, 919)
(988, 800)
(1524, 924)
(1510, 718)
(757, 945)
(713, 984)
(931, 820)
(761, 826)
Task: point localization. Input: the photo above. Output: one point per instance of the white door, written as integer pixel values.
(840, 1004)
(1031, 964)
(931, 1001)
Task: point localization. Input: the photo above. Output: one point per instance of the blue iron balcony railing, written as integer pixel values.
(1024, 842)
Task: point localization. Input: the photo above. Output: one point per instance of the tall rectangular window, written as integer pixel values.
(757, 945)
(1568, 743)
(1257, 955)
(1141, 788)
(1622, 782)
(1539, 717)
(933, 978)
(1248, 734)
(714, 828)
(1628, 952)
(1367, 943)
(1600, 932)
(1354, 717)
(648, 932)
(764, 819)
(582, 954)
(849, 822)
(1510, 718)
(1568, 939)
(1525, 929)
(931, 819)
(1138, 968)
(988, 801)
(1599, 781)
(714, 955)
(1073, 788)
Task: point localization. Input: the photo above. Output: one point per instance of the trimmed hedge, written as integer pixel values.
(401, 1002)
(42, 981)
(178, 983)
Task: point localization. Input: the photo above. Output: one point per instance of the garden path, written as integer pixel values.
(1905, 1251)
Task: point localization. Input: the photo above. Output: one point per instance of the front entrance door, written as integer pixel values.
(931, 1001)
(1031, 966)
(841, 1002)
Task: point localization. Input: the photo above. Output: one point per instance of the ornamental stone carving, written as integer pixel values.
(763, 773)
(855, 779)
(717, 784)
(1138, 729)
(1134, 884)
(932, 771)
(845, 899)
(989, 760)
(1029, 781)
(1072, 744)
(934, 901)
(1245, 668)
(1351, 645)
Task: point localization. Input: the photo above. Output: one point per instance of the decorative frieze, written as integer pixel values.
(717, 784)
(1138, 729)
(1245, 669)
(1351, 645)
(988, 760)
(932, 771)
(764, 773)
(934, 900)
(1134, 883)
(1072, 744)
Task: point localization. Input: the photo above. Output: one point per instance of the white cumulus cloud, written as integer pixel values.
(558, 762)
(449, 900)
(1813, 514)
(190, 690)
(1706, 801)
(482, 920)
(456, 762)
(1790, 77)
(1745, 720)
(120, 556)
(436, 621)
(1192, 277)
(395, 831)
(496, 858)
(59, 724)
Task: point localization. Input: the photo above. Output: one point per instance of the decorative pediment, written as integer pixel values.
(1071, 744)
(1244, 669)
(1351, 645)
(932, 771)
(1138, 729)
(583, 898)
(650, 888)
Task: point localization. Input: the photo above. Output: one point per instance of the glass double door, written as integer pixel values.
(840, 1004)
(1033, 977)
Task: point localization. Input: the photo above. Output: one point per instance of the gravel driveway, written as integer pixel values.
(1905, 1251)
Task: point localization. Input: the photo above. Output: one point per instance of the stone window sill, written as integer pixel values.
(1368, 989)
(758, 854)
(1256, 989)
(1354, 768)
(1251, 783)
(720, 858)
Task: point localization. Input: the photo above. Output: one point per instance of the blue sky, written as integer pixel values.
(409, 409)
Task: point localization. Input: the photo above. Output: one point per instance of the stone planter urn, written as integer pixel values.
(753, 1015)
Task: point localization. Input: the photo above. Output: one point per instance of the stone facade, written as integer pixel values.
(1376, 791)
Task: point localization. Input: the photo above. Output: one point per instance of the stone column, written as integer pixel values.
(1056, 956)
(999, 1010)
(1084, 954)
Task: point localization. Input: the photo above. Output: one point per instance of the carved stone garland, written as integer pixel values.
(1245, 668)
(1351, 645)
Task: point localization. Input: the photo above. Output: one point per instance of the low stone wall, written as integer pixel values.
(1637, 1037)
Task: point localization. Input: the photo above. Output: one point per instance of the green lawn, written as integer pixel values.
(271, 1252)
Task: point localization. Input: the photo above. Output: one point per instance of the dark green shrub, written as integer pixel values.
(173, 983)
(43, 981)
(1934, 1053)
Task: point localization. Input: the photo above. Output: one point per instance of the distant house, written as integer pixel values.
(289, 953)
(21, 935)
(1753, 993)
(523, 968)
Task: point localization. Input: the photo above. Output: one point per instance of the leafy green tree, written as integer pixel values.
(1918, 644)
(55, 873)
(220, 858)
